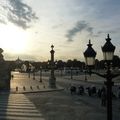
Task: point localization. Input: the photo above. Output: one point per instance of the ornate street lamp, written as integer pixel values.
(71, 68)
(52, 79)
(61, 69)
(34, 73)
(29, 69)
(85, 74)
(40, 73)
(108, 53)
(108, 50)
(29, 73)
(89, 55)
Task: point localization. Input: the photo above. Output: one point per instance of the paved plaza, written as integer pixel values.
(22, 83)
(63, 106)
(44, 103)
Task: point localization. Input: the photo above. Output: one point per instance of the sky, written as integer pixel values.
(28, 28)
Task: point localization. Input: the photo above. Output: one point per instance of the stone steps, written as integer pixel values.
(18, 107)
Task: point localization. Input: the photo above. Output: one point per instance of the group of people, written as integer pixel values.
(93, 91)
(80, 90)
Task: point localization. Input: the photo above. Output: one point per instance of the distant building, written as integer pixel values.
(18, 61)
(24, 67)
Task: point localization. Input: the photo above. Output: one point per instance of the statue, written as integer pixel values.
(1, 56)
(5, 74)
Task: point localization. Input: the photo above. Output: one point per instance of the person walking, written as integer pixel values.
(103, 97)
(118, 94)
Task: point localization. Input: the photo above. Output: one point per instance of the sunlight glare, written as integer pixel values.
(12, 39)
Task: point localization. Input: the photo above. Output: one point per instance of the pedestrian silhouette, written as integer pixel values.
(103, 96)
(118, 93)
(73, 90)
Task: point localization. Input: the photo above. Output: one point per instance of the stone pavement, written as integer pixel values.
(57, 105)
(61, 105)
(18, 107)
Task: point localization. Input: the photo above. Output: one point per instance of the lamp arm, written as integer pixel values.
(103, 76)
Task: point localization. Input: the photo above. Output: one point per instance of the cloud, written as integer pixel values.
(2, 21)
(57, 26)
(18, 13)
(79, 27)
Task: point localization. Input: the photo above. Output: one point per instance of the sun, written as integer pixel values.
(13, 39)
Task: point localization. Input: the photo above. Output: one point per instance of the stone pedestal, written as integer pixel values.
(5, 74)
(52, 82)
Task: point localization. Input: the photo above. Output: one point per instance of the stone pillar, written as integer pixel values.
(52, 79)
(5, 74)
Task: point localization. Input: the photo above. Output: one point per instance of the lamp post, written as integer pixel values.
(34, 74)
(40, 73)
(29, 69)
(61, 71)
(71, 73)
(108, 52)
(52, 79)
(29, 73)
(85, 74)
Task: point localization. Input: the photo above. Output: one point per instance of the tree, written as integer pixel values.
(60, 64)
(69, 63)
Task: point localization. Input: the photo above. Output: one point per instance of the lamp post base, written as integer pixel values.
(52, 82)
